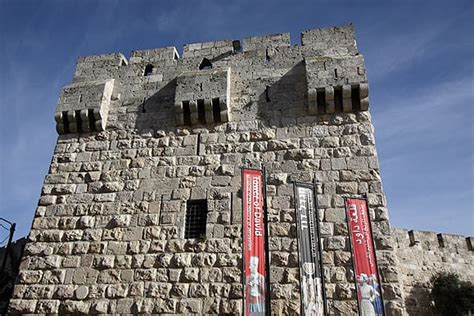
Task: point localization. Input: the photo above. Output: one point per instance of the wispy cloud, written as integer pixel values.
(424, 109)
(426, 147)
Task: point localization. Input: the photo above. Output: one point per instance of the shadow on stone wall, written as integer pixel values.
(418, 300)
(285, 98)
(157, 111)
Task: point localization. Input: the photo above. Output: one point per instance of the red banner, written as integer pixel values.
(365, 265)
(254, 255)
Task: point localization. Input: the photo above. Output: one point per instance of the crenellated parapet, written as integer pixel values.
(99, 67)
(195, 89)
(203, 97)
(84, 106)
(336, 84)
(422, 254)
(433, 241)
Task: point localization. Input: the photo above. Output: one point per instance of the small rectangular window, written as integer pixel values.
(196, 218)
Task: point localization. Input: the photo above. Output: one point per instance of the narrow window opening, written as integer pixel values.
(196, 219)
(358, 71)
(198, 144)
(186, 113)
(148, 70)
(324, 65)
(78, 121)
(216, 110)
(440, 240)
(144, 105)
(267, 56)
(66, 122)
(161, 207)
(321, 100)
(355, 98)
(338, 99)
(335, 73)
(80, 98)
(205, 64)
(232, 207)
(90, 115)
(201, 111)
(200, 86)
(236, 47)
(267, 93)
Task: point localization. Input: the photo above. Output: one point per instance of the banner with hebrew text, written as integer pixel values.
(363, 253)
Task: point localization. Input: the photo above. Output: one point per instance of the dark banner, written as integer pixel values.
(312, 288)
(365, 266)
(254, 246)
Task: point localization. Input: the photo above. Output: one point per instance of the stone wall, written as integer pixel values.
(108, 234)
(10, 272)
(422, 254)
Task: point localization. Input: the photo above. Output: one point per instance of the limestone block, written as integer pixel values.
(190, 306)
(84, 106)
(47, 306)
(99, 67)
(30, 277)
(17, 306)
(75, 307)
(266, 41)
(208, 49)
(364, 96)
(331, 41)
(158, 56)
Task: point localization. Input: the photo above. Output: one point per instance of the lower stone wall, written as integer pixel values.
(421, 255)
(10, 272)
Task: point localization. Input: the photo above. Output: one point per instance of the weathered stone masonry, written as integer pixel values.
(422, 254)
(139, 138)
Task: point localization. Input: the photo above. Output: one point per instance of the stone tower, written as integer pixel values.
(143, 141)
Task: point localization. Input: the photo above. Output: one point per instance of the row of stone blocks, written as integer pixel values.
(204, 111)
(88, 120)
(326, 98)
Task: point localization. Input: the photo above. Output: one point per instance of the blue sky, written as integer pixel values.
(419, 58)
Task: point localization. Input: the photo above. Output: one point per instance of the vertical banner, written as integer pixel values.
(256, 294)
(363, 252)
(311, 283)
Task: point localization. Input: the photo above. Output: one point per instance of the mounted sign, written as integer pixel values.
(365, 265)
(255, 265)
(311, 283)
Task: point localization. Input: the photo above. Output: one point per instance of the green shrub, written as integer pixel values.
(451, 295)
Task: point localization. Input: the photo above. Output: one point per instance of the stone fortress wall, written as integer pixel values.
(138, 138)
(422, 254)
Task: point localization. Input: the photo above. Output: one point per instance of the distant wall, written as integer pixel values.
(7, 277)
(421, 255)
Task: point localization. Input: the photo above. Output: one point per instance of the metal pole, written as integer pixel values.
(267, 241)
(320, 248)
